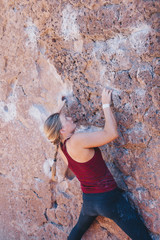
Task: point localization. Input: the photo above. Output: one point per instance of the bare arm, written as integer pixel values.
(99, 138)
(110, 121)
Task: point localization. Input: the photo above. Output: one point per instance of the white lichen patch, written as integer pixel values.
(117, 52)
(114, 45)
(47, 167)
(99, 48)
(38, 113)
(128, 108)
(140, 92)
(88, 129)
(69, 28)
(62, 186)
(7, 111)
(138, 38)
(32, 33)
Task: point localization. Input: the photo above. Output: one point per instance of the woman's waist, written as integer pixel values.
(95, 178)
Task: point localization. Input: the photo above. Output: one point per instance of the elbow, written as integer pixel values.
(114, 135)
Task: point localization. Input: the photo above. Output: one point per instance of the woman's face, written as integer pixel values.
(67, 123)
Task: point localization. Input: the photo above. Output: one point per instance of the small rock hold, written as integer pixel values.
(5, 108)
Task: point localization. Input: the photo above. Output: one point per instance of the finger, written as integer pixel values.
(104, 91)
(110, 90)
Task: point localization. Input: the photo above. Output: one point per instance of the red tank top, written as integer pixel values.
(93, 175)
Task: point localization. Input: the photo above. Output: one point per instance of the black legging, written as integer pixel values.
(112, 205)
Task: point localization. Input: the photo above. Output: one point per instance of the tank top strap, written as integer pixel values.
(63, 145)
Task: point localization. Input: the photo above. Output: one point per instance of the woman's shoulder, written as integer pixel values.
(77, 151)
(74, 141)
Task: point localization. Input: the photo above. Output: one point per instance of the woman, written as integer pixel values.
(101, 196)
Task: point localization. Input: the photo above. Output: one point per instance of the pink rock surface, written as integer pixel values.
(51, 49)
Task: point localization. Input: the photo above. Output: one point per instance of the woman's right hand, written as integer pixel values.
(106, 96)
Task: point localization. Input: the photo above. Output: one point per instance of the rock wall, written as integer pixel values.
(51, 49)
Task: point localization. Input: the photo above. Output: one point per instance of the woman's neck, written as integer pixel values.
(66, 137)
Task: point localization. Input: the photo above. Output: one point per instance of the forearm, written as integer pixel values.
(110, 121)
(113, 118)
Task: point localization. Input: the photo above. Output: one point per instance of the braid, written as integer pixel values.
(53, 168)
(56, 153)
(52, 127)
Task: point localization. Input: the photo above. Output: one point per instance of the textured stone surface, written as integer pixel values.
(51, 49)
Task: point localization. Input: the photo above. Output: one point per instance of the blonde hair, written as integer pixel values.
(52, 127)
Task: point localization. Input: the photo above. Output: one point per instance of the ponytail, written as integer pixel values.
(52, 127)
(53, 168)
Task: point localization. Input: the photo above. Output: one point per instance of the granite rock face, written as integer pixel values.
(51, 49)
